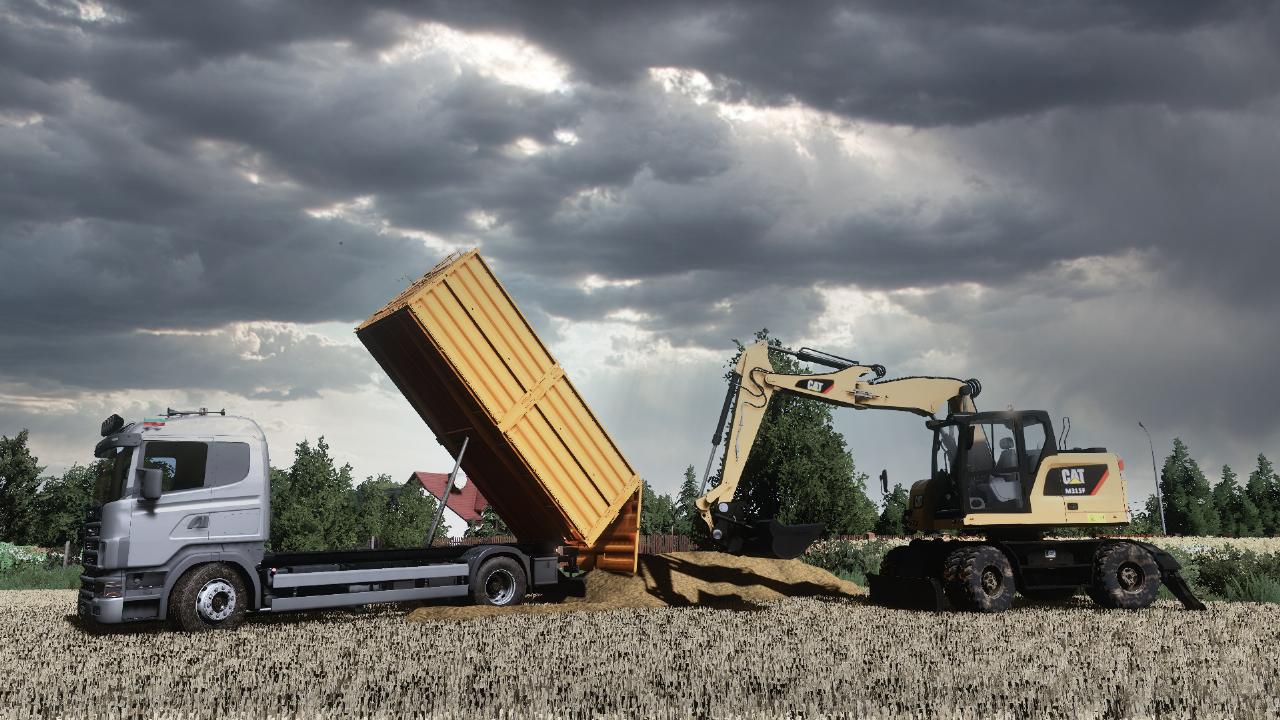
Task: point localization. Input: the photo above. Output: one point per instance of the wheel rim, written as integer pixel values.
(1130, 577)
(500, 587)
(992, 580)
(216, 600)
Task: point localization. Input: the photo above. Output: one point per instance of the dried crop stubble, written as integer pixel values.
(819, 657)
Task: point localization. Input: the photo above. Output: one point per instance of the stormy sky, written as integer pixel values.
(1077, 203)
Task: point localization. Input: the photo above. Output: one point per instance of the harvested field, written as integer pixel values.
(820, 657)
(706, 579)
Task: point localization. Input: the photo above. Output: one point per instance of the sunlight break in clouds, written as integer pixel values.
(507, 59)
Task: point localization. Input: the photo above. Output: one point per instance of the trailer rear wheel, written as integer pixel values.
(500, 582)
(1125, 576)
(208, 597)
(980, 578)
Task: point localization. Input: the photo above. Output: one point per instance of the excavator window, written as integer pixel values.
(993, 466)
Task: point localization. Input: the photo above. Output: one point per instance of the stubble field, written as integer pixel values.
(811, 657)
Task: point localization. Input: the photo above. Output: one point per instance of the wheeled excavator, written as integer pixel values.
(999, 486)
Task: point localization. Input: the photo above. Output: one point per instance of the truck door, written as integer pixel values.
(180, 516)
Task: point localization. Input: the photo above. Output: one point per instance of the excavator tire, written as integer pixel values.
(1125, 576)
(978, 578)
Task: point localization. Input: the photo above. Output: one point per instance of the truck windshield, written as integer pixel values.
(111, 481)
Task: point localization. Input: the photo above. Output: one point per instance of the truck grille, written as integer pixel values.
(89, 551)
(89, 554)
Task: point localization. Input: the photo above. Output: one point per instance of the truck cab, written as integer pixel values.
(213, 505)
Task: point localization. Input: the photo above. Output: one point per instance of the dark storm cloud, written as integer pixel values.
(922, 64)
(1104, 130)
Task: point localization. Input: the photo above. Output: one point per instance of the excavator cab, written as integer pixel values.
(984, 463)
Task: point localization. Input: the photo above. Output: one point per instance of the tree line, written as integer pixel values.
(315, 505)
(799, 471)
(1192, 506)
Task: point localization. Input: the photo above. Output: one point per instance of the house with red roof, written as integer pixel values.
(466, 503)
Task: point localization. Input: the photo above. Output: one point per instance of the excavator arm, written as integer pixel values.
(754, 383)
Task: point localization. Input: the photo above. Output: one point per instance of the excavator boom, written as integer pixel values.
(754, 383)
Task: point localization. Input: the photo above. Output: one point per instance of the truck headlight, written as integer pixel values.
(112, 589)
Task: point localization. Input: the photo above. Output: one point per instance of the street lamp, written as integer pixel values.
(1159, 500)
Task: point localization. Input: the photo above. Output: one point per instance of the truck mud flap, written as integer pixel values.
(917, 593)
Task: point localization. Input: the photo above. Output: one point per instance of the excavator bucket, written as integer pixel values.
(772, 539)
(915, 593)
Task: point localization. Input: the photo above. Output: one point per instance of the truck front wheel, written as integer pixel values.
(208, 597)
(500, 581)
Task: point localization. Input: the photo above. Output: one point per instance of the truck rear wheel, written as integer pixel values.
(208, 597)
(979, 578)
(1125, 576)
(500, 582)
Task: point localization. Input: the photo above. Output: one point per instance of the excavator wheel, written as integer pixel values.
(978, 578)
(1125, 576)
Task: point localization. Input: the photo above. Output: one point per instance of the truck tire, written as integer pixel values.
(1125, 576)
(208, 597)
(500, 581)
(978, 578)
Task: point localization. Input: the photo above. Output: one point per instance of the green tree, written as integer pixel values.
(370, 500)
(1262, 489)
(799, 470)
(1147, 520)
(19, 482)
(312, 504)
(1237, 513)
(408, 517)
(489, 525)
(1188, 498)
(657, 512)
(686, 511)
(63, 502)
(893, 518)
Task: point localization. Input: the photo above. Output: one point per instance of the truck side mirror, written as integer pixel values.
(884, 482)
(152, 479)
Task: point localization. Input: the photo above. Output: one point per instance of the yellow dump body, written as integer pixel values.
(463, 355)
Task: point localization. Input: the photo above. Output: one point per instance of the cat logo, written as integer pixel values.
(1073, 481)
(1073, 476)
(816, 386)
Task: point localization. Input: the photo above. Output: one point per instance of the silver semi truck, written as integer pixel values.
(179, 525)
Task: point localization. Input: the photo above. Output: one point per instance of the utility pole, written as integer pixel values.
(1156, 477)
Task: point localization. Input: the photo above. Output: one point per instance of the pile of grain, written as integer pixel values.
(708, 579)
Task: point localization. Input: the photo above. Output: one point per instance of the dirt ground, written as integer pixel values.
(689, 636)
(704, 579)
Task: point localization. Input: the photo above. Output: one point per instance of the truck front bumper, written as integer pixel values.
(90, 605)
